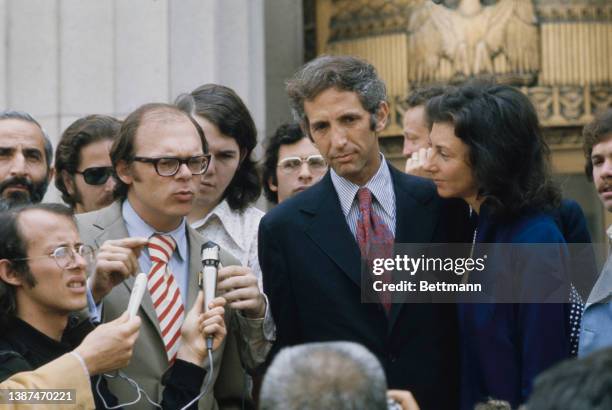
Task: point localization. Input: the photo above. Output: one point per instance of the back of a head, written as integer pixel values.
(575, 384)
(331, 375)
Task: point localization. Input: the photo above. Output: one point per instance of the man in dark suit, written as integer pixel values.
(311, 245)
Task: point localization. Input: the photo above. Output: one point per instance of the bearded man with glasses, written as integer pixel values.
(82, 163)
(158, 157)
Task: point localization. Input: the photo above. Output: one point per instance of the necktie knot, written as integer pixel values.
(364, 196)
(161, 247)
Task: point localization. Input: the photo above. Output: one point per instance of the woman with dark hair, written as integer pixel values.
(223, 210)
(488, 151)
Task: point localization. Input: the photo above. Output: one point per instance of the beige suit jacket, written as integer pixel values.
(149, 361)
(65, 372)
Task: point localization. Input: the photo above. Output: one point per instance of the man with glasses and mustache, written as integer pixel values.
(159, 156)
(82, 163)
(292, 163)
(25, 160)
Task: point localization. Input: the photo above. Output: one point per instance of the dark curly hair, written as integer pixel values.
(286, 134)
(508, 155)
(223, 107)
(79, 134)
(595, 132)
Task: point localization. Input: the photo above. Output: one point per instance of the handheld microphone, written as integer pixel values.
(208, 282)
(140, 285)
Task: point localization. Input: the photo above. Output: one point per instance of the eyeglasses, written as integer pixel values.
(96, 175)
(65, 256)
(169, 166)
(290, 165)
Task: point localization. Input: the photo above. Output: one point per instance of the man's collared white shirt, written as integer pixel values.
(381, 186)
(235, 232)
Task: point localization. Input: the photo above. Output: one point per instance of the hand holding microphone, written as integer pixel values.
(110, 345)
(204, 326)
(202, 329)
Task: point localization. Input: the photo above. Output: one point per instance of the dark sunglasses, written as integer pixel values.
(96, 175)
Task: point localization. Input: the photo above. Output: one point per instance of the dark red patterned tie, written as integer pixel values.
(374, 237)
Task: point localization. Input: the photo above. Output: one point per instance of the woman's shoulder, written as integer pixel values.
(535, 227)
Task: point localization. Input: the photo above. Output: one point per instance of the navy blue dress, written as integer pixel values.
(504, 346)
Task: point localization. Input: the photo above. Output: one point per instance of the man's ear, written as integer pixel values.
(271, 185)
(7, 273)
(68, 182)
(381, 116)
(124, 172)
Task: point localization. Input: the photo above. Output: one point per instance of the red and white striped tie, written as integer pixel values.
(165, 293)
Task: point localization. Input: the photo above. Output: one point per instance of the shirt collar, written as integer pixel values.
(380, 185)
(136, 226)
(225, 215)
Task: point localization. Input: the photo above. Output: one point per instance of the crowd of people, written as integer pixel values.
(289, 327)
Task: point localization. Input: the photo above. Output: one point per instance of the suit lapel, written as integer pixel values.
(113, 227)
(415, 221)
(329, 230)
(195, 266)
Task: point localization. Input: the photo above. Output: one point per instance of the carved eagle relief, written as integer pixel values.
(471, 38)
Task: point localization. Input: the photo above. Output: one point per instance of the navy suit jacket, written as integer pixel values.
(311, 274)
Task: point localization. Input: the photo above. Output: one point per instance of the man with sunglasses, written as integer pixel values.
(292, 163)
(82, 163)
(158, 157)
(25, 160)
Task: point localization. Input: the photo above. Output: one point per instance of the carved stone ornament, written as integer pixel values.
(473, 39)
